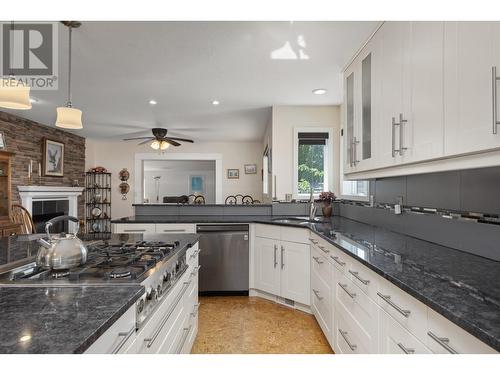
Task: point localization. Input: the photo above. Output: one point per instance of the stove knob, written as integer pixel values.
(158, 291)
(151, 295)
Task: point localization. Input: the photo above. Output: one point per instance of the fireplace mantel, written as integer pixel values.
(32, 193)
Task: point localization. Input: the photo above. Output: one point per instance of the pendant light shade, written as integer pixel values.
(14, 94)
(69, 118)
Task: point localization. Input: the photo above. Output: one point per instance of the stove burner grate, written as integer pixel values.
(119, 273)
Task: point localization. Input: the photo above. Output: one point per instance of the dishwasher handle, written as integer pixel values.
(221, 228)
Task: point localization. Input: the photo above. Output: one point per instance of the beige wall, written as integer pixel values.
(284, 120)
(115, 155)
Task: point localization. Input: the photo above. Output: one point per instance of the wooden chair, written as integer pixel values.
(21, 216)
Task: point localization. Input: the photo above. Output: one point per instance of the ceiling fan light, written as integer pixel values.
(164, 145)
(155, 145)
(14, 94)
(69, 118)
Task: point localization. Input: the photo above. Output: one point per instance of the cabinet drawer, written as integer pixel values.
(445, 337)
(268, 231)
(360, 307)
(364, 278)
(349, 337)
(405, 309)
(295, 235)
(320, 266)
(170, 339)
(339, 259)
(118, 338)
(134, 228)
(322, 306)
(394, 339)
(175, 228)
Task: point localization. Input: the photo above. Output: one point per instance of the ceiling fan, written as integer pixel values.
(159, 140)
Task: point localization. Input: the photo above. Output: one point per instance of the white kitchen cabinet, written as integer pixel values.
(471, 50)
(267, 272)
(295, 275)
(444, 337)
(395, 339)
(134, 228)
(175, 228)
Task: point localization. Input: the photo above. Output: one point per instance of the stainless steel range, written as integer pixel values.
(149, 260)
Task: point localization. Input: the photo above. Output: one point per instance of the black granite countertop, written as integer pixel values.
(60, 319)
(464, 288)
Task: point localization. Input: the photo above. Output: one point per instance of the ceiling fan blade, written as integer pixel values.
(136, 138)
(180, 139)
(146, 141)
(173, 143)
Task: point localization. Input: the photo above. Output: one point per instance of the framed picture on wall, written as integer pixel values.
(233, 173)
(3, 146)
(197, 185)
(53, 158)
(250, 168)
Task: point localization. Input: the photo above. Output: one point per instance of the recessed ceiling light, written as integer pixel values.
(153, 102)
(319, 91)
(215, 102)
(33, 100)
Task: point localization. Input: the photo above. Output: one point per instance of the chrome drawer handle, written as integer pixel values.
(195, 253)
(344, 288)
(125, 336)
(275, 256)
(326, 251)
(196, 308)
(134, 230)
(318, 260)
(151, 340)
(344, 336)
(195, 271)
(494, 79)
(185, 334)
(356, 275)
(318, 296)
(339, 262)
(443, 341)
(174, 230)
(406, 350)
(282, 261)
(405, 313)
(313, 241)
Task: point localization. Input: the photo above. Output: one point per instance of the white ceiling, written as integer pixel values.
(248, 66)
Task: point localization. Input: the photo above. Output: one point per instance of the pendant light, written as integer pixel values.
(69, 117)
(14, 94)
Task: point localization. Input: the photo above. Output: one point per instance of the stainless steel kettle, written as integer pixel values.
(61, 251)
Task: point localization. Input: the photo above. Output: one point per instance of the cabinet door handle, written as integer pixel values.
(318, 260)
(339, 262)
(387, 299)
(394, 150)
(313, 241)
(195, 271)
(317, 294)
(282, 261)
(344, 336)
(443, 341)
(344, 288)
(275, 256)
(405, 349)
(194, 254)
(355, 151)
(356, 275)
(402, 122)
(125, 336)
(324, 249)
(494, 80)
(196, 308)
(185, 333)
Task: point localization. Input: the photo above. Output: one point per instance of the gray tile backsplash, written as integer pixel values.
(474, 190)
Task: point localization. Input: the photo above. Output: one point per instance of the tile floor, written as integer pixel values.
(252, 325)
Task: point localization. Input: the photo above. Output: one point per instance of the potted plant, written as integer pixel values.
(326, 199)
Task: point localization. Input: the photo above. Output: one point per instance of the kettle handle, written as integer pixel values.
(61, 218)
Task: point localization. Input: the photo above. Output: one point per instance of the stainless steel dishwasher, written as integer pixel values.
(224, 259)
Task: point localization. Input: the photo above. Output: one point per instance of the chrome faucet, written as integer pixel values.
(312, 206)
